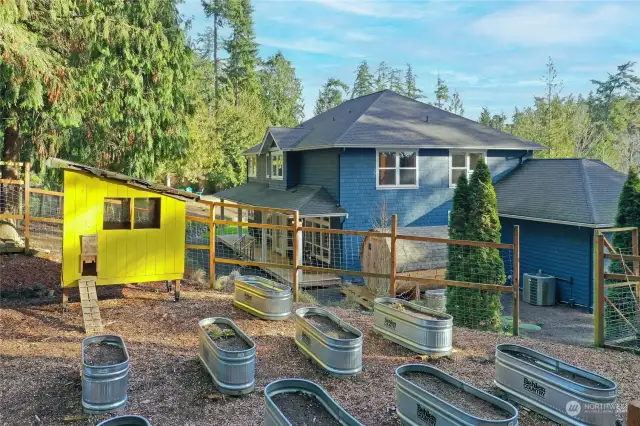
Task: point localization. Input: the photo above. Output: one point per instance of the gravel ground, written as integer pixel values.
(40, 362)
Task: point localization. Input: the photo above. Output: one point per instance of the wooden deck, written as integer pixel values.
(283, 274)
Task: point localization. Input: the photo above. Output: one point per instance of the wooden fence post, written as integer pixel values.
(27, 206)
(516, 280)
(599, 325)
(297, 251)
(633, 413)
(212, 245)
(636, 265)
(392, 273)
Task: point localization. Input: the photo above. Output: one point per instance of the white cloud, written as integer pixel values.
(389, 9)
(548, 23)
(359, 36)
(307, 44)
(455, 76)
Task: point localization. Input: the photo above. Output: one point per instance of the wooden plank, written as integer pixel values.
(341, 272)
(11, 216)
(89, 304)
(27, 207)
(196, 246)
(197, 219)
(361, 294)
(12, 181)
(212, 245)
(346, 232)
(11, 163)
(633, 413)
(46, 192)
(454, 242)
(636, 263)
(621, 277)
(613, 251)
(464, 284)
(625, 284)
(248, 207)
(609, 230)
(254, 263)
(516, 280)
(599, 277)
(46, 219)
(393, 266)
(297, 258)
(253, 225)
(622, 257)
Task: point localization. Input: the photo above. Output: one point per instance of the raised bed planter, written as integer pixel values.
(415, 327)
(562, 392)
(330, 342)
(292, 402)
(125, 421)
(263, 298)
(428, 396)
(105, 374)
(228, 354)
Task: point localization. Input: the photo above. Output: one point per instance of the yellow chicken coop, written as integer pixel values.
(120, 230)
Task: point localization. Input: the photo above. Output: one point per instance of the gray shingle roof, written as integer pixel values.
(309, 200)
(388, 119)
(575, 191)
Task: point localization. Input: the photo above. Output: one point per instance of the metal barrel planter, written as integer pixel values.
(416, 406)
(273, 416)
(413, 326)
(125, 421)
(233, 371)
(104, 387)
(263, 298)
(562, 392)
(338, 356)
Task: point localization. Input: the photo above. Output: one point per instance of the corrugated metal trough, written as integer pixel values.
(406, 327)
(274, 417)
(104, 388)
(125, 421)
(263, 298)
(339, 357)
(562, 392)
(418, 407)
(232, 371)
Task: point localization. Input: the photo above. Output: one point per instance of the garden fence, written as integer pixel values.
(617, 288)
(34, 213)
(317, 260)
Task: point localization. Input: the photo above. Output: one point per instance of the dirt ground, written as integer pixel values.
(40, 362)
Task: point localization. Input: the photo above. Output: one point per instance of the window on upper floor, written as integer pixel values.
(463, 162)
(277, 165)
(252, 166)
(397, 169)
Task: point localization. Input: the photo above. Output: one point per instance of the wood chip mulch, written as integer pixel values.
(40, 362)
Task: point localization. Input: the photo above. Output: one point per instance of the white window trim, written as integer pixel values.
(275, 152)
(267, 165)
(250, 169)
(316, 250)
(397, 168)
(466, 162)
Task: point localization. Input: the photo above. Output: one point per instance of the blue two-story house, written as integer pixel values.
(340, 167)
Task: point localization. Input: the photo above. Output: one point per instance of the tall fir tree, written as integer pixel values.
(396, 82)
(485, 117)
(382, 77)
(242, 48)
(455, 105)
(218, 10)
(441, 92)
(364, 82)
(411, 89)
(281, 91)
(332, 94)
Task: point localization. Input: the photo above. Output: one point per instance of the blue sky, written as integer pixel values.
(494, 53)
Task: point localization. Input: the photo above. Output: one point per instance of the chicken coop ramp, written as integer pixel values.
(89, 303)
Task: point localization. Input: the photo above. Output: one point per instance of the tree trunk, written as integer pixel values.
(10, 194)
(215, 60)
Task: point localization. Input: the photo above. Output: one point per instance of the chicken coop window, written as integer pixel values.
(147, 213)
(117, 213)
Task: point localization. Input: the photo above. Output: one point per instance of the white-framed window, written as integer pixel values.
(318, 244)
(396, 169)
(463, 162)
(252, 166)
(277, 165)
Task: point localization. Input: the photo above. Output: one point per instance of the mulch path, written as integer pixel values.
(18, 271)
(40, 348)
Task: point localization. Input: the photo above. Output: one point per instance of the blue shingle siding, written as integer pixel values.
(280, 183)
(561, 250)
(320, 167)
(292, 170)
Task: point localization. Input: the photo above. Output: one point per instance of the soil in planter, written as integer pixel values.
(225, 338)
(404, 308)
(103, 354)
(302, 409)
(457, 397)
(329, 327)
(552, 368)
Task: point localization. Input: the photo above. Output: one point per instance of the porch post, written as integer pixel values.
(222, 216)
(264, 237)
(239, 220)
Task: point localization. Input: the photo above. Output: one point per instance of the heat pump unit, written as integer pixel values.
(539, 289)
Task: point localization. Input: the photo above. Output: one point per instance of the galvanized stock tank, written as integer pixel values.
(562, 392)
(263, 298)
(339, 357)
(274, 417)
(125, 421)
(403, 322)
(232, 371)
(418, 407)
(104, 388)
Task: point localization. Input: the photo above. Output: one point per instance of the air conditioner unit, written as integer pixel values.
(539, 289)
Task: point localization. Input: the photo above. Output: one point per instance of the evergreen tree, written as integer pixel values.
(455, 105)
(395, 81)
(485, 117)
(363, 84)
(217, 9)
(241, 45)
(331, 94)
(382, 76)
(281, 92)
(411, 90)
(441, 92)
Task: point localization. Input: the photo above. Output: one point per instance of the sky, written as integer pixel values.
(493, 52)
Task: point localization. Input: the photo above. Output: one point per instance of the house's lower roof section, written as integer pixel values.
(577, 192)
(309, 200)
